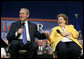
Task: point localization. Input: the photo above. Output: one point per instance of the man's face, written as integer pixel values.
(23, 14)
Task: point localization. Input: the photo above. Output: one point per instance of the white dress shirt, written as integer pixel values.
(27, 32)
(65, 39)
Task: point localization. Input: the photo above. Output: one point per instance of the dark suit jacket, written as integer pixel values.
(3, 44)
(33, 32)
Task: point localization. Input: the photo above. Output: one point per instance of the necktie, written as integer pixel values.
(24, 35)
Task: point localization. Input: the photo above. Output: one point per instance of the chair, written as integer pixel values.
(22, 53)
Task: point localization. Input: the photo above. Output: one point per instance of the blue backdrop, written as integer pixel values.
(46, 10)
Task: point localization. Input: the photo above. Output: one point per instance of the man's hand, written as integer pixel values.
(20, 31)
(47, 34)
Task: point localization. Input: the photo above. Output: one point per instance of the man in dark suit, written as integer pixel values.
(15, 35)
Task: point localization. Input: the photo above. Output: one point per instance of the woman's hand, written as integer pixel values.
(66, 34)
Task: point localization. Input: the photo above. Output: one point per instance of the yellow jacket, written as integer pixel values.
(55, 37)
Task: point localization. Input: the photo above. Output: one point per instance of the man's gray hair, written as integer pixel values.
(27, 10)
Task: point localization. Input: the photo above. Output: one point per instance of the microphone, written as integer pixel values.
(22, 24)
(58, 31)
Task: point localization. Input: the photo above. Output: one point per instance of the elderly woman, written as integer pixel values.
(64, 39)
